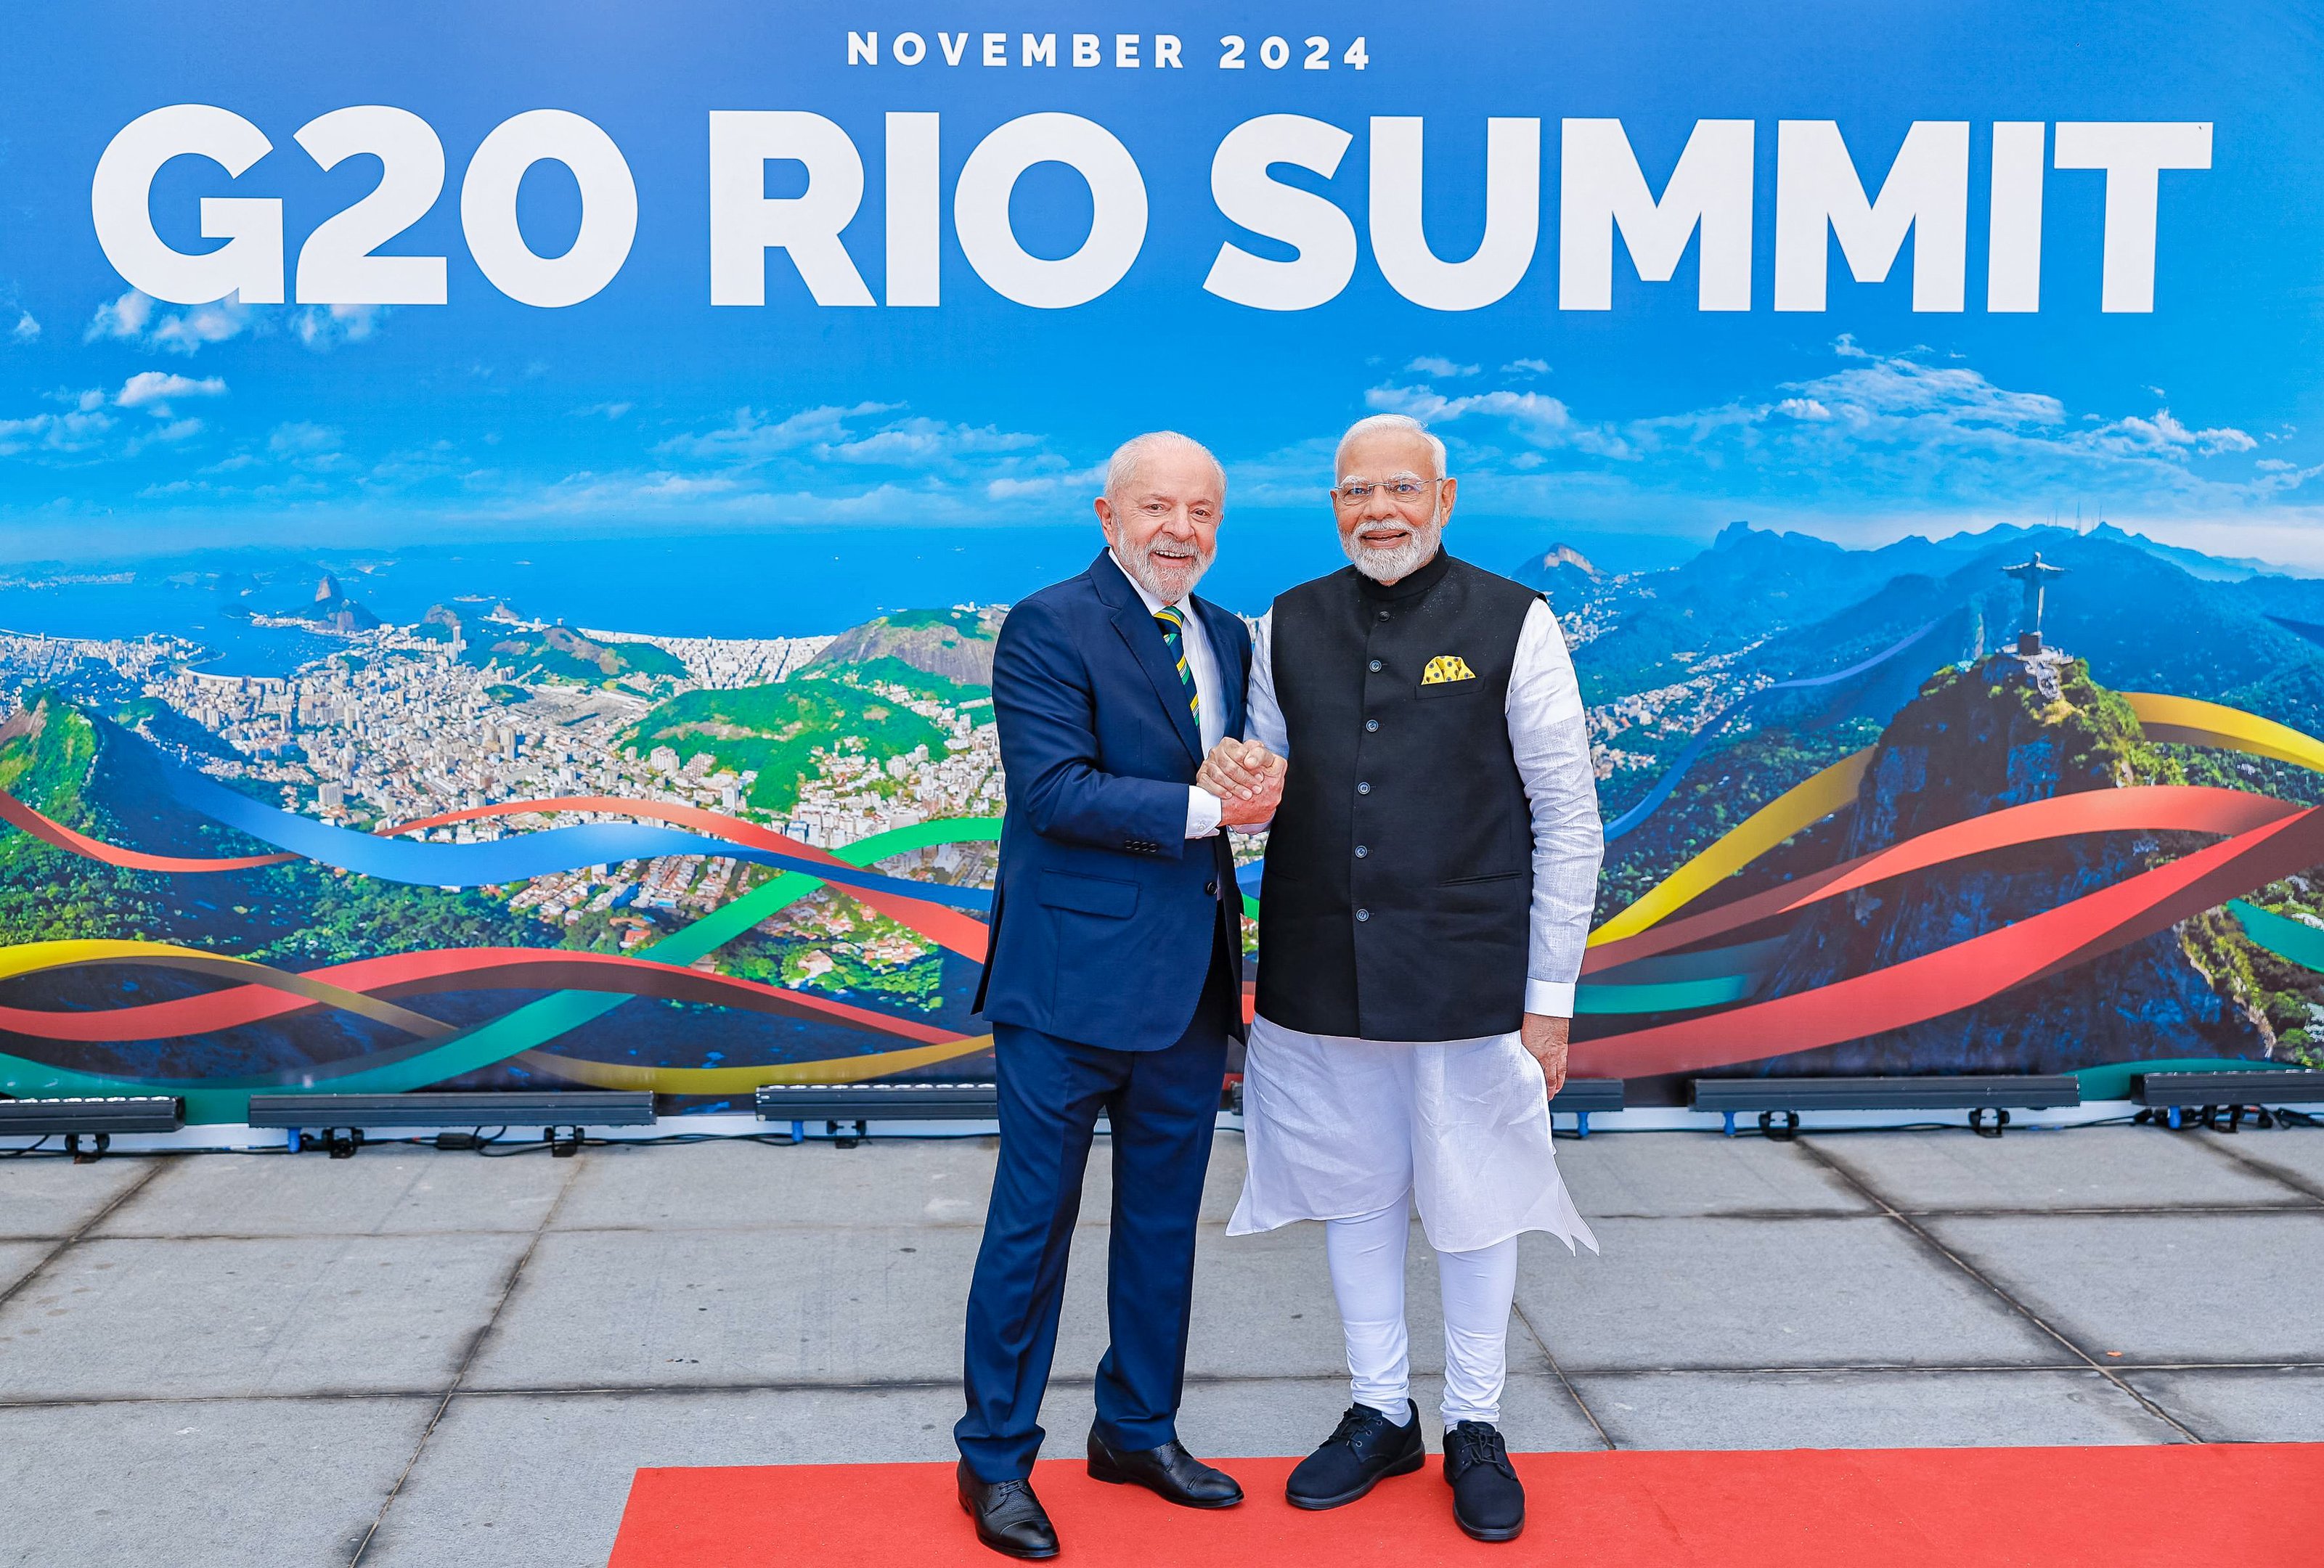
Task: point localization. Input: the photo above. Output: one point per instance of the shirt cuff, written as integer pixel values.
(1550, 998)
(1203, 812)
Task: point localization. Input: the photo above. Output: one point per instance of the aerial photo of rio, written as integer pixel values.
(480, 845)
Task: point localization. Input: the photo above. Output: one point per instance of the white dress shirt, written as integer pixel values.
(1203, 807)
(1551, 745)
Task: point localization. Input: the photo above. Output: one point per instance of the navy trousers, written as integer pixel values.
(1162, 1106)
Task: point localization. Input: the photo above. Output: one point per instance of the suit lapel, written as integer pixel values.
(1146, 645)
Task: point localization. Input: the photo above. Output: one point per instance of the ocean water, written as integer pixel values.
(791, 582)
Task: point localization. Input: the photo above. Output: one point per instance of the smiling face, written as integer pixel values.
(1389, 536)
(1162, 518)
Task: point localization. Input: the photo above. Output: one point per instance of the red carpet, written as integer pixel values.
(2253, 1506)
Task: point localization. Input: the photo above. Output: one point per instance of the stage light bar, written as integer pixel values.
(1976, 1093)
(1585, 1097)
(561, 1113)
(2229, 1090)
(97, 1119)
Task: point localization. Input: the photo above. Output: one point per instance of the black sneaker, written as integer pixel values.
(1488, 1498)
(1365, 1449)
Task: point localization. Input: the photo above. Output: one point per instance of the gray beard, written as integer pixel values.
(1395, 565)
(1142, 569)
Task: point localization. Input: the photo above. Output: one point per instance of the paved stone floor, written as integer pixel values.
(422, 1358)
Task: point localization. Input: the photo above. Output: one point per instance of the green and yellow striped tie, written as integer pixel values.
(1174, 635)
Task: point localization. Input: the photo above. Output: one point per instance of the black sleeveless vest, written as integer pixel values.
(1399, 868)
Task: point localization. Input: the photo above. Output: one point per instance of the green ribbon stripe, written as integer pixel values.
(533, 1025)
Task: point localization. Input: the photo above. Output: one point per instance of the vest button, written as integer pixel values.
(1383, 614)
(1375, 664)
(1363, 914)
(1370, 725)
(1363, 790)
(1211, 887)
(1361, 851)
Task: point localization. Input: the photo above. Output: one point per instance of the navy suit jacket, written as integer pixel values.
(1106, 913)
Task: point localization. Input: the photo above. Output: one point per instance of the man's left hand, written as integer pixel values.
(1544, 1038)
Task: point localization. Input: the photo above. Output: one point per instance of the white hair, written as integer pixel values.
(1404, 423)
(1122, 466)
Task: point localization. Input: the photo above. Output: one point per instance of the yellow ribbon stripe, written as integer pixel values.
(1802, 805)
(743, 1080)
(2190, 722)
(31, 957)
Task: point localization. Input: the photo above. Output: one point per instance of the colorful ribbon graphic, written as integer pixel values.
(1633, 959)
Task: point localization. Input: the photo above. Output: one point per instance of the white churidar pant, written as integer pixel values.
(1357, 1132)
(1366, 1258)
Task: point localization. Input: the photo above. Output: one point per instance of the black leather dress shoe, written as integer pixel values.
(1488, 1498)
(1009, 1517)
(1363, 1451)
(1169, 1472)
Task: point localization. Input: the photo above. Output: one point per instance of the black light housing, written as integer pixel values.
(561, 1113)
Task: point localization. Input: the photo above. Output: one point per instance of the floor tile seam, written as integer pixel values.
(950, 1384)
(291, 1397)
(468, 1359)
(2302, 1209)
(2259, 1166)
(1931, 1369)
(2302, 1206)
(192, 1236)
(1933, 1243)
(67, 1243)
(1336, 1379)
(1541, 1342)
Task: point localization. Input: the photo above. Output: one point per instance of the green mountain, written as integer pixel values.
(957, 644)
(777, 729)
(561, 653)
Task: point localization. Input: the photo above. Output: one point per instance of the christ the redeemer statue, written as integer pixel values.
(2029, 621)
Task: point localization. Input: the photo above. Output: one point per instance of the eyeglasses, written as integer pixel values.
(1400, 490)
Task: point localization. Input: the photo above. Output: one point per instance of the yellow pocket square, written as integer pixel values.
(1446, 667)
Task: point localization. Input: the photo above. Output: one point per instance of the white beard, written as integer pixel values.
(1167, 586)
(1389, 566)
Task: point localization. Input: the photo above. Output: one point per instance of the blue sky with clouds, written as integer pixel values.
(131, 425)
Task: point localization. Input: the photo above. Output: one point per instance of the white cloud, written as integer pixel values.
(138, 318)
(1882, 444)
(323, 327)
(169, 434)
(26, 328)
(1535, 416)
(310, 446)
(917, 443)
(603, 411)
(752, 436)
(68, 434)
(1438, 365)
(154, 391)
(1526, 367)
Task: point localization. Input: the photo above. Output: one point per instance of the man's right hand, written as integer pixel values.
(1248, 780)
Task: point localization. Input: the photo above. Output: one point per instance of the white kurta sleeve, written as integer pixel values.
(1552, 747)
(1262, 714)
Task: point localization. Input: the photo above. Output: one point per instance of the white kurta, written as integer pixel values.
(1336, 1127)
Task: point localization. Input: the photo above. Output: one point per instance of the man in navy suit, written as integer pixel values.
(1114, 981)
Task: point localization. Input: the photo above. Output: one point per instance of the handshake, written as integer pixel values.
(1248, 780)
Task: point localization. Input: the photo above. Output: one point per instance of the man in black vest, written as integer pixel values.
(1430, 872)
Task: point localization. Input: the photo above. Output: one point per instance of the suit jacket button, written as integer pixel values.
(1370, 725)
(1363, 914)
(1361, 851)
(1363, 789)
(1211, 886)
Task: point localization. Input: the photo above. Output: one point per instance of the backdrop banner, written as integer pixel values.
(505, 510)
